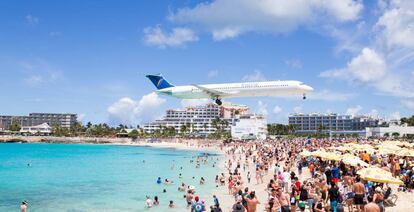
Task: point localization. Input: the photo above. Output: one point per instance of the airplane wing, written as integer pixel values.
(211, 92)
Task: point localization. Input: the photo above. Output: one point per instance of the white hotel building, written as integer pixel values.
(199, 118)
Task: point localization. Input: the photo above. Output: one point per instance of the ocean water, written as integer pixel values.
(72, 177)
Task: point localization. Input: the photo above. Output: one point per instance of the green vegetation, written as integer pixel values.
(409, 121)
(15, 126)
(280, 129)
(221, 129)
(395, 134)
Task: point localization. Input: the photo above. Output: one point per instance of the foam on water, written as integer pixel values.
(69, 177)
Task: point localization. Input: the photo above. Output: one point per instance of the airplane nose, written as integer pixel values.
(308, 88)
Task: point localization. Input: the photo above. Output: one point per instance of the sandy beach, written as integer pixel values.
(404, 203)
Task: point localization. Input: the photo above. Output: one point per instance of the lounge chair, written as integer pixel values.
(389, 198)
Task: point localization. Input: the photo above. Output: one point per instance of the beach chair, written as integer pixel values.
(389, 198)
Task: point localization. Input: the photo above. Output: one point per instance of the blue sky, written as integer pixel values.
(90, 57)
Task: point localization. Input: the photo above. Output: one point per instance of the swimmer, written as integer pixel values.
(180, 176)
(148, 202)
(171, 205)
(159, 180)
(181, 188)
(23, 206)
(156, 202)
(164, 191)
(202, 181)
(168, 182)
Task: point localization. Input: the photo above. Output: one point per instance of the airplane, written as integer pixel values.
(229, 90)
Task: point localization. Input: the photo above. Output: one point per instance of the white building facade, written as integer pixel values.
(249, 127)
(198, 119)
(43, 129)
(402, 130)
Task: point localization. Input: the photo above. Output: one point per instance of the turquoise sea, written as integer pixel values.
(72, 177)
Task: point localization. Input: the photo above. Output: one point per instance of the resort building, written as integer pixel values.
(249, 126)
(42, 129)
(65, 120)
(392, 130)
(344, 124)
(198, 119)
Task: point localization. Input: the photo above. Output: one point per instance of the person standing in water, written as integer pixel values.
(23, 206)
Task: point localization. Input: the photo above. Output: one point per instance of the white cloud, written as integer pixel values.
(256, 76)
(297, 109)
(277, 110)
(294, 63)
(354, 110)
(228, 32)
(409, 104)
(261, 108)
(398, 23)
(395, 115)
(39, 72)
(374, 113)
(194, 102)
(327, 95)
(368, 66)
(31, 20)
(129, 111)
(154, 36)
(81, 117)
(212, 74)
(230, 18)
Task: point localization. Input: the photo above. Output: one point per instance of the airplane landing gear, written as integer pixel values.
(218, 102)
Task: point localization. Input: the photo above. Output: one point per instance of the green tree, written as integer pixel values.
(409, 121)
(395, 134)
(386, 135)
(134, 134)
(15, 125)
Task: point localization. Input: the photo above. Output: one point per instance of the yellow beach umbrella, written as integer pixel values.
(398, 143)
(354, 161)
(389, 146)
(386, 151)
(327, 155)
(341, 148)
(305, 153)
(405, 152)
(379, 175)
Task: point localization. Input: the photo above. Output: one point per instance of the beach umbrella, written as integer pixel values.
(379, 175)
(341, 148)
(305, 153)
(386, 151)
(389, 146)
(354, 161)
(348, 155)
(405, 152)
(398, 143)
(326, 155)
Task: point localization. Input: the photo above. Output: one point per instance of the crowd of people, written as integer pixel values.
(275, 176)
(330, 185)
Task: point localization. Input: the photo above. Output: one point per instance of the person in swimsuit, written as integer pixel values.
(359, 191)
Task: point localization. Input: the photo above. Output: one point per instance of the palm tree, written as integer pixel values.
(183, 129)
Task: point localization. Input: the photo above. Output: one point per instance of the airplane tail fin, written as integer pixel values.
(159, 81)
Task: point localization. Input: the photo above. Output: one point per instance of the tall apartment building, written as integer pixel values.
(62, 119)
(314, 122)
(199, 118)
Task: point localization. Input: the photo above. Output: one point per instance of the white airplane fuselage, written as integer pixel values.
(232, 90)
